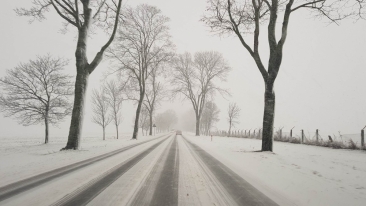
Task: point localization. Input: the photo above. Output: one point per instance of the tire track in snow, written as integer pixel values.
(13, 189)
(240, 190)
(161, 186)
(88, 192)
(166, 192)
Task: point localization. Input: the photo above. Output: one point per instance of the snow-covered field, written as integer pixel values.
(25, 157)
(294, 174)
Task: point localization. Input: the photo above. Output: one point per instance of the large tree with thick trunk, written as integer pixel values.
(82, 15)
(142, 45)
(37, 92)
(194, 79)
(244, 18)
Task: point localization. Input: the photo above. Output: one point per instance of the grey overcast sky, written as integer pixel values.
(321, 83)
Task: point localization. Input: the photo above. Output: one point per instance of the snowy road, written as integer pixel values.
(169, 170)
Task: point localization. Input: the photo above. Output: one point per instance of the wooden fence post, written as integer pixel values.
(362, 138)
(291, 132)
(302, 136)
(317, 135)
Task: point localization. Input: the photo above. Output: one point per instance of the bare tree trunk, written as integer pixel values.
(46, 125)
(151, 122)
(138, 110)
(229, 129)
(81, 84)
(197, 125)
(103, 133)
(268, 118)
(117, 130)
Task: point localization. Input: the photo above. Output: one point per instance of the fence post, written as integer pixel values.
(362, 138)
(259, 133)
(302, 136)
(291, 132)
(317, 135)
(249, 133)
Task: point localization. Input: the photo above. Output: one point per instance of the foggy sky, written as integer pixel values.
(321, 83)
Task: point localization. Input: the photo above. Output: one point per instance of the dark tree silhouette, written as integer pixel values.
(245, 17)
(79, 14)
(37, 92)
(142, 45)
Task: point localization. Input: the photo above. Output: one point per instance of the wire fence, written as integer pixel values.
(345, 141)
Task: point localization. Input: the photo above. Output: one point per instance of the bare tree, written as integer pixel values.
(153, 95)
(37, 92)
(79, 14)
(210, 116)
(114, 93)
(233, 115)
(245, 18)
(143, 44)
(100, 109)
(166, 119)
(194, 79)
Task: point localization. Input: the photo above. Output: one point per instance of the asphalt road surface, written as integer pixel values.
(167, 170)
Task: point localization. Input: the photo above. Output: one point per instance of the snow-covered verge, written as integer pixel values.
(294, 174)
(25, 157)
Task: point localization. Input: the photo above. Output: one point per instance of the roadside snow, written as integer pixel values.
(21, 157)
(294, 174)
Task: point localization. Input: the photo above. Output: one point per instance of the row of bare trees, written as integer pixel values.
(107, 105)
(197, 79)
(142, 48)
(83, 16)
(144, 45)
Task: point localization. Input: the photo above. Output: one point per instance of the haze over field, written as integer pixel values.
(320, 84)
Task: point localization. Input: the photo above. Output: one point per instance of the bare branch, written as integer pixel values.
(37, 90)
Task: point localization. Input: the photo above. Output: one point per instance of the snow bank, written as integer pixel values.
(25, 157)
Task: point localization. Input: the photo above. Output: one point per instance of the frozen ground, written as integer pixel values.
(299, 174)
(24, 157)
(292, 175)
